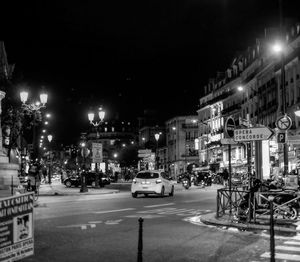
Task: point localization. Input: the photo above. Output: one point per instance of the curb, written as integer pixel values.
(217, 222)
(78, 193)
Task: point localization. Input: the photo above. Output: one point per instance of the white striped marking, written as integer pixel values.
(288, 248)
(296, 237)
(169, 204)
(292, 243)
(290, 257)
(112, 211)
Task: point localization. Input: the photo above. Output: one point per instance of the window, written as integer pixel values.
(147, 175)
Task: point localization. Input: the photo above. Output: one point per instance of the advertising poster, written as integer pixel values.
(16, 227)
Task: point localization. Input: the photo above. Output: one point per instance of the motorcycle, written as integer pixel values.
(186, 183)
(288, 211)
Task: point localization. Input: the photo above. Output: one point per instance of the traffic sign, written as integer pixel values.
(144, 151)
(144, 155)
(284, 122)
(228, 141)
(229, 127)
(281, 137)
(97, 152)
(252, 134)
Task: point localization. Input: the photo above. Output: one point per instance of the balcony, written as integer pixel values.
(230, 109)
(190, 126)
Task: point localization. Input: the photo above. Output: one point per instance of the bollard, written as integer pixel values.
(140, 243)
(272, 238)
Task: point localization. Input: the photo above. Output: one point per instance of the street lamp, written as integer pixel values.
(50, 162)
(34, 110)
(84, 154)
(157, 135)
(101, 114)
(279, 49)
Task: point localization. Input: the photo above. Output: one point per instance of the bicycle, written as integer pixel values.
(33, 188)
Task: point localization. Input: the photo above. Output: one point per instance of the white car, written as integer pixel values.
(152, 182)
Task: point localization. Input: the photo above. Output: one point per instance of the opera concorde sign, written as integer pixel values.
(252, 134)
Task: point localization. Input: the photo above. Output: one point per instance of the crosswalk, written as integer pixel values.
(288, 251)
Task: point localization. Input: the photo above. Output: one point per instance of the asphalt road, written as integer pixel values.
(105, 228)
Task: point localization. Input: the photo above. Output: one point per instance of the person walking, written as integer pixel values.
(225, 177)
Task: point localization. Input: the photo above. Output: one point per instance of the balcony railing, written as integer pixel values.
(231, 109)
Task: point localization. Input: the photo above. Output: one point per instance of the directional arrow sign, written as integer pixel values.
(252, 134)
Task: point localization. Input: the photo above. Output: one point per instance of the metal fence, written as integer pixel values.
(228, 202)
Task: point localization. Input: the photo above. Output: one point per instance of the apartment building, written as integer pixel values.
(181, 133)
(259, 103)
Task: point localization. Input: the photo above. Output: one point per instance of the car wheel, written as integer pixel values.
(172, 191)
(134, 195)
(162, 193)
(68, 184)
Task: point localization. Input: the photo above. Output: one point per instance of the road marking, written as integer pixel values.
(288, 248)
(145, 216)
(95, 222)
(113, 222)
(82, 226)
(112, 211)
(290, 257)
(169, 204)
(296, 237)
(292, 243)
(155, 210)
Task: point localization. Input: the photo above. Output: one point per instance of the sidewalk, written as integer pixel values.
(58, 189)
(262, 224)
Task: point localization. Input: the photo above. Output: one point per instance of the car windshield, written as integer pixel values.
(147, 175)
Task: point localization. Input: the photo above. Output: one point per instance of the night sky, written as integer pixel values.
(128, 55)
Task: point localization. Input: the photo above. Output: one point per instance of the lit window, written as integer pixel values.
(105, 129)
(112, 129)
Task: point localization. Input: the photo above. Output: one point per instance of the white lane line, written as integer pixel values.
(292, 243)
(113, 222)
(112, 211)
(177, 211)
(169, 204)
(296, 237)
(156, 210)
(290, 257)
(287, 248)
(144, 216)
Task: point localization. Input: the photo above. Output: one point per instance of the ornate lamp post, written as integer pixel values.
(50, 159)
(84, 154)
(91, 116)
(157, 135)
(34, 110)
(278, 49)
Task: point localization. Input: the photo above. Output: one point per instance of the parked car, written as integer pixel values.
(152, 182)
(236, 180)
(75, 180)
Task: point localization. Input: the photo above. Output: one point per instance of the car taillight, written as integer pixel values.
(158, 181)
(134, 181)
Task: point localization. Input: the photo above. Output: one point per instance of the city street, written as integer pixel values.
(105, 228)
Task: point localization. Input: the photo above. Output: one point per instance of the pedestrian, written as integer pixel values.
(116, 176)
(225, 177)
